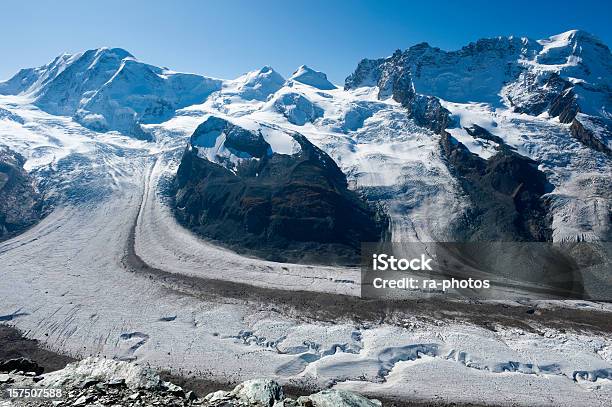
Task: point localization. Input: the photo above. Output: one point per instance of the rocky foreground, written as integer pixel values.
(105, 382)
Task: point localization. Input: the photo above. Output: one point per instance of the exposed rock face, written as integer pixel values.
(564, 106)
(98, 381)
(593, 133)
(425, 110)
(481, 133)
(20, 204)
(394, 78)
(268, 201)
(562, 76)
(506, 193)
(536, 93)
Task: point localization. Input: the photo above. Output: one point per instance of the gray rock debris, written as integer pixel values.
(97, 381)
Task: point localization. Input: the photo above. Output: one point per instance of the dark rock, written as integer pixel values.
(281, 207)
(588, 138)
(479, 132)
(564, 106)
(20, 364)
(394, 78)
(20, 204)
(426, 111)
(539, 94)
(506, 193)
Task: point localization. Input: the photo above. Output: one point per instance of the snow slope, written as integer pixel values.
(108, 89)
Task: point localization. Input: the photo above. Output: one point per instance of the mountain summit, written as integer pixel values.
(108, 89)
(311, 77)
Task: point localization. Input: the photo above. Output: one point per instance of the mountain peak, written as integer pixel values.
(571, 47)
(119, 53)
(309, 76)
(570, 38)
(257, 84)
(576, 34)
(265, 71)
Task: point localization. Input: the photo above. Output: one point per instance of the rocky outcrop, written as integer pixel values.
(234, 187)
(536, 93)
(20, 203)
(592, 136)
(506, 193)
(98, 381)
(481, 133)
(564, 106)
(394, 77)
(426, 111)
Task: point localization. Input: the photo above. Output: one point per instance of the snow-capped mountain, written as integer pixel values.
(108, 89)
(442, 140)
(475, 144)
(562, 76)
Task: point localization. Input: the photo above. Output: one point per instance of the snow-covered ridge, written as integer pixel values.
(108, 89)
(511, 87)
(503, 71)
(313, 78)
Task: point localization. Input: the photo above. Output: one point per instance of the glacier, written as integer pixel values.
(110, 271)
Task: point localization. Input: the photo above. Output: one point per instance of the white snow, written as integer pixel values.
(311, 77)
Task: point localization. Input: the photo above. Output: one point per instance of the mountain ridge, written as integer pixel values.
(546, 100)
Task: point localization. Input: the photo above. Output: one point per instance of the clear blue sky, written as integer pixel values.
(227, 38)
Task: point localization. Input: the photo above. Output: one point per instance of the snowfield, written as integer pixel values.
(109, 272)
